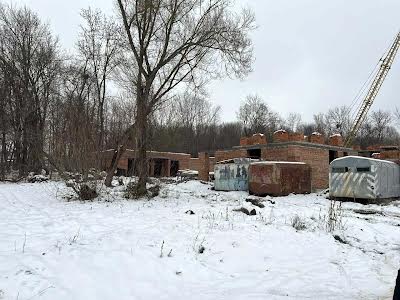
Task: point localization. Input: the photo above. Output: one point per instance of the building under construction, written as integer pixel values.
(313, 154)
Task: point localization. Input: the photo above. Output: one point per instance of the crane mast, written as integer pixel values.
(373, 90)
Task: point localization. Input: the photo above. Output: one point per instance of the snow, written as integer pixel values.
(335, 135)
(111, 249)
(316, 133)
(280, 131)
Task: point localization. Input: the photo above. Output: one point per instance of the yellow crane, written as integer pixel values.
(386, 64)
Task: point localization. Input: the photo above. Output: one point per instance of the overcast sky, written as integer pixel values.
(310, 55)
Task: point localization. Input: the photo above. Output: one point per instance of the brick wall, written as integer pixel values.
(183, 158)
(244, 141)
(336, 140)
(257, 139)
(390, 154)
(229, 154)
(296, 137)
(281, 136)
(196, 164)
(317, 138)
(204, 159)
(316, 158)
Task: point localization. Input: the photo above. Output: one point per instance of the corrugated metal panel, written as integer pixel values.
(279, 178)
(231, 176)
(364, 178)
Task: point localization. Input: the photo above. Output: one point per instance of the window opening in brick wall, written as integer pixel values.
(174, 168)
(158, 167)
(132, 168)
(254, 153)
(332, 155)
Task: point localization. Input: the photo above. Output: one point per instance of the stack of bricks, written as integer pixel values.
(296, 137)
(317, 138)
(257, 139)
(336, 140)
(281, 136)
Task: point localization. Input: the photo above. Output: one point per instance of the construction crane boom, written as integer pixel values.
(373, 90)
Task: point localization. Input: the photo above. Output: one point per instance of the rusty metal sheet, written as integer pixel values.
(279, 178)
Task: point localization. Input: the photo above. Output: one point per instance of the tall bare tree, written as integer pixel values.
(177, 42)
(338, 120)
(396, 115)
(99, 45)
(256, 116)
(381, 121)
(293, 121)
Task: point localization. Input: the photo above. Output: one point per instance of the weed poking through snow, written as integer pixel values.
(298, 223)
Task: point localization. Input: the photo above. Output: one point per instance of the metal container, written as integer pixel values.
(364, 178)
(278, 178)
(232, 174)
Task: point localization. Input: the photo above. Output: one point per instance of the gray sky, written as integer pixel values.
(310, 55)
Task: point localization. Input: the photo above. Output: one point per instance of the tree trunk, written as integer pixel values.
(119, 151)
(3, 160)
(141, 144)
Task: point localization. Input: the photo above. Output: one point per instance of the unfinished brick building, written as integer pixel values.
(295, 148)
(162, 164)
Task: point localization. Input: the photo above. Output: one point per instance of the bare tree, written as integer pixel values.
(99, 45)
(256, 116)
(293, 122)
(337, 120)
(175, 42)
(188, 123)
(29, 57)
(320, 123)
(381, 121)
(396, 115)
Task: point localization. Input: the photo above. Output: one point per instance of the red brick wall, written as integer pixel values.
(229, 154)
(390, 154)
(281, 136)
(257, 139)
(196, 164)
(336, 140)
(244, 141)
(296, 137)
(184, 159)
(317, 159)
(317, 139)
(204, 159)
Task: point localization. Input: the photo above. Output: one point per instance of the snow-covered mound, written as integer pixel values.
(122, 249)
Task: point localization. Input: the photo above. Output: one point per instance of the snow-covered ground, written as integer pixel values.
(51, 248)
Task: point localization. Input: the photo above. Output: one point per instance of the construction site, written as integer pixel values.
(202, 150)
(292, 161)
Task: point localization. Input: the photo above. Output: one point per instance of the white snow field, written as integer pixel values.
(51, 248)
